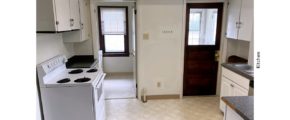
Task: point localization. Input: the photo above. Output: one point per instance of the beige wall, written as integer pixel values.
(159, 58)
(238, 47)
(84, 48)
(50, 45)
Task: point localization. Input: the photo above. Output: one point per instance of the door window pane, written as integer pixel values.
(194, 28)
(114, 43)
(202, 26)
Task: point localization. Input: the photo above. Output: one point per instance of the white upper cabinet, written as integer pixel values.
(246, 20)
(85, 24)
(57, 15)
(240, 19)
(62, 14)
(85, 19)
(74, 14)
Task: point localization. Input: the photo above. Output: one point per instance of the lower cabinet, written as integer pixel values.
(230, 114)
(230, 86)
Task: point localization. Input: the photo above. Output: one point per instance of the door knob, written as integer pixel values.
(217, 55)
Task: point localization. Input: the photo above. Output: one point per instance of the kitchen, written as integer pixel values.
(154, 38)
(163, 83)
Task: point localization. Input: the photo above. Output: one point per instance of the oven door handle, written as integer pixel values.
(101, 80)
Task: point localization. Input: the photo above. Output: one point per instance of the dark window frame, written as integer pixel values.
(102, 37)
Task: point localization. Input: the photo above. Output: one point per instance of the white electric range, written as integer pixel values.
(70, 94)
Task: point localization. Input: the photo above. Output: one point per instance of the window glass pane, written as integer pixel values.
(202, 26)
(194, 28)
(113, 20)
(114, 43)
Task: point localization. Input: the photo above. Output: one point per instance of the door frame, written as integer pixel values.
(222, 43)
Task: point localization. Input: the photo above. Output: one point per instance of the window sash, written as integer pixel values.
(113, 21)
(114, 43)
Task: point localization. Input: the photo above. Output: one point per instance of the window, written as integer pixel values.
(113, 31)
(202, 26)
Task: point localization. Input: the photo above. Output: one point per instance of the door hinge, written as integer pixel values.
(228, 4)
(56, 22)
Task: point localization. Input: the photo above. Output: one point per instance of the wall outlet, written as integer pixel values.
(158, 84)
(146, 36)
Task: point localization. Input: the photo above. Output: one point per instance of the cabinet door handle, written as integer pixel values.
(82, 26)
(238, 25)
(71, 22)
(232, 85)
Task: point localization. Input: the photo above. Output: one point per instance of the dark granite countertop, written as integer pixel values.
(243, 105)
(236, 69)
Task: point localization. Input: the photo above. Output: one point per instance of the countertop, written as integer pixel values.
(242, 72)
(243, 105)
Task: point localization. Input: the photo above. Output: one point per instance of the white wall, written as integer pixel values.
(238, 47)
(159, 58)
(115, 65)
(251, 52)
(50, 45)
(84, 48)
(119, 64)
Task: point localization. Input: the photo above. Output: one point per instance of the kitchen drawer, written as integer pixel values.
(236, 78)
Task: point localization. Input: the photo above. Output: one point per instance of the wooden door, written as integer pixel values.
(202, 41)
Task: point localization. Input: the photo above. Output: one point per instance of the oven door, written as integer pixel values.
(99, 99)
(98, 89)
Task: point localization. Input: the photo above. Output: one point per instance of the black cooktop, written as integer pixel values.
(81, 61)
(92, 70)
(81, 80)
(65, 80)
(76, 71)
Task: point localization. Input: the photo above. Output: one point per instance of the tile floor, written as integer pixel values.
(119, 85)
(188, 108)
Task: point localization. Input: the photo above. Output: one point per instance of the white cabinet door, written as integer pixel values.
(239, 91)
(226, 90)
(62, 14)
(85, 19)
(74, 14)
(246, 20)
(233, 18)
(231, 114)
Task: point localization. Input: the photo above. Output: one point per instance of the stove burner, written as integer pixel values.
(92, 70)
(65, 80)
(80, 80)
(76, 71)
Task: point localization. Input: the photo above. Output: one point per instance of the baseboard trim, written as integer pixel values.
(118, 73)
(156, 97)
